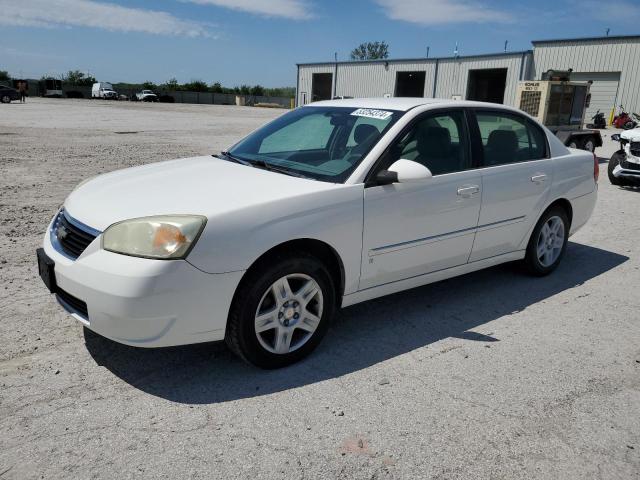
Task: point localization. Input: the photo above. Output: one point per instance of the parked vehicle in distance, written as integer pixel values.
(103, 90)
(166, 98)
(7, 94)
(50, 87)
(623, 120)
(624, 165)
(146, 96)
(329, 205)
(560, 105)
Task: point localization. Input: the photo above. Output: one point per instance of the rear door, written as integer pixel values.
(517, 173)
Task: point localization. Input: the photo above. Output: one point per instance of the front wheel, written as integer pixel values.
(281, 311)
(613, 163)
(548, 242)
(5, 99)
(629, 125)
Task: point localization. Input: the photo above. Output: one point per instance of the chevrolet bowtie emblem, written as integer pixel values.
(61, 233)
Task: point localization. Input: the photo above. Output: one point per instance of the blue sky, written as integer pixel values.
(260, 41)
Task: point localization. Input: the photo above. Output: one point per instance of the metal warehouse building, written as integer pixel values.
(611, 63)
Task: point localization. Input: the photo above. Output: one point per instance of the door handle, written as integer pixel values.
(468, 190)
(539, 178)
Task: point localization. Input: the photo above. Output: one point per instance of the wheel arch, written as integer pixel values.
(318, 248)
(563, 203)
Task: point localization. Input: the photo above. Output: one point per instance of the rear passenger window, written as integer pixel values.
(509, 138)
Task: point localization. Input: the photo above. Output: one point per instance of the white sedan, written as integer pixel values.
(329, 205)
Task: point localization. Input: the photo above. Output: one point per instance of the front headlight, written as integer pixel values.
(164, 237)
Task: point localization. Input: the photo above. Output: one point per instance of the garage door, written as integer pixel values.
(603, 91)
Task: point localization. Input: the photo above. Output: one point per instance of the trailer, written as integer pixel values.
(560, 105)
(50, 87)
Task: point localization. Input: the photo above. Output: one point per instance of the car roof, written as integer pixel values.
(407, 103)
(394, 103)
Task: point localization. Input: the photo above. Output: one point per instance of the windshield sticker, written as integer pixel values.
(371, 113)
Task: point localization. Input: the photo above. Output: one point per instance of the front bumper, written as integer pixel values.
(627, 170)
(143, 302)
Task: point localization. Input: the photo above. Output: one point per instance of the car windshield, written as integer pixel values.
(324, 143)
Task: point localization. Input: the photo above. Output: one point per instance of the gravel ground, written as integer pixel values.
(491, 375)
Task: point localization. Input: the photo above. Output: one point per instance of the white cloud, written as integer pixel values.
(439, 12)
(292, 9)
(89, 13)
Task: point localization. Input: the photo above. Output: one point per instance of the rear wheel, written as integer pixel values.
(613, 163)
(5, 99)
(575, 142)
(281, 311)
(548, 242)
(629, 125)
(589, 144)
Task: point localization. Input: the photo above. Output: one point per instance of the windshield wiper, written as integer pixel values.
(262, 164)
(228, 156)
(285, 171)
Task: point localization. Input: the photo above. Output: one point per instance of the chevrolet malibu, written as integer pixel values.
(329, 205)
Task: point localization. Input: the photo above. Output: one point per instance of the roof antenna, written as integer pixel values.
(506, 42)
(455, 52)
(335, 56)
(428, 48)
(608, 30)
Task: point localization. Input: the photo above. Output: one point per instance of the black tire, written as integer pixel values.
(5, 99)
(589, 144)
(629, 125)
(531, 261)
(613, 162)
(241, 334)
(575, 142)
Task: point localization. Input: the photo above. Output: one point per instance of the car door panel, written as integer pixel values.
(414, 229)
(511, 204)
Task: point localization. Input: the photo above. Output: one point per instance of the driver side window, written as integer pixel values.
(438, 141)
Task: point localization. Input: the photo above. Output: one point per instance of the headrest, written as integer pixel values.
(503, 140)
(434, 142)
(364, 132)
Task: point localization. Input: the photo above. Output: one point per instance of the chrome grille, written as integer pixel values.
(71, 236)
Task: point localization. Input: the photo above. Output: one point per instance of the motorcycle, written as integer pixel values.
(623, 120)
(598, 121)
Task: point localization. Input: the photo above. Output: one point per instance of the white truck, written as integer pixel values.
(103, 90)
(146, 96)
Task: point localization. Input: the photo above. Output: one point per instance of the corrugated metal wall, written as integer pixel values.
(376, 79)
(305, 77)
(453, 75)
(593, 56)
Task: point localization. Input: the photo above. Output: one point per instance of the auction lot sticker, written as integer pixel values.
(372, 113)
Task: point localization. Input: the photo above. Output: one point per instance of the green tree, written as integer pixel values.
(370, 51)
(196, 86)
(4, 76)
(149, 86)
(257, 90)
(78, 78)
(217, 87)
(171, 84)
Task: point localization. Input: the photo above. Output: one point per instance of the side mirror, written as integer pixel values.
(404, 171)
(615, 137)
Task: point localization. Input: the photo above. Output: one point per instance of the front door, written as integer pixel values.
(517, 174)
(416, 228)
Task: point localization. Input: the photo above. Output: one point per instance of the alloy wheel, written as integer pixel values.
(288, 313)
(550, 241)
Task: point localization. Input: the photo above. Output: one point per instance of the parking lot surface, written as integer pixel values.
(492, 375)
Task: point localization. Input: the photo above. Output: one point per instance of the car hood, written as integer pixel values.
(631, 135)
(199, 186)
